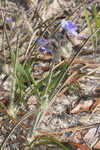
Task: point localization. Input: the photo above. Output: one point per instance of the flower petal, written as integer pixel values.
(67, 25)
(73, 32)
(41, 41)
(42, 49)
(70, 27)
(43, 46)
(8, 20)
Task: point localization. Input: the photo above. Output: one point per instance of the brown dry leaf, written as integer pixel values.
(96, 103)
(97, 145)
(31, 101)
(7, 27)
(73, 79)
(45, 56)
(78, 136)
(2, 110)
(92, 136)
(5, 100)
(83, 147)
(82, 106)
(78, 128)
(97, 90)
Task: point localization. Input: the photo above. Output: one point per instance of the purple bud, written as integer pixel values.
(42, 49)
(70, 27)
(43, 46)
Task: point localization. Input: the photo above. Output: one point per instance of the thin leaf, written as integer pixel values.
(22, 72)
(53, 141)
(96, 23)
(47, 4)
(57, 80)
(89, 25)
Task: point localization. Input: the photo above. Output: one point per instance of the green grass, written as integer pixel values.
(89, 24)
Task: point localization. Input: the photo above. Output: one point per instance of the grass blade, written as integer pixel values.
(97, 23)
(52, 141)
(89, 26)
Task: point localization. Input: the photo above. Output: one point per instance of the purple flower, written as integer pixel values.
(8, 20)
(70, 27)
(43, 46)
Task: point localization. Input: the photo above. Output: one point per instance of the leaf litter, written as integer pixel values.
(74, 109)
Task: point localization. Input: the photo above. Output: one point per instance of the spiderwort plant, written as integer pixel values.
(43, 46)
(69, 27)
